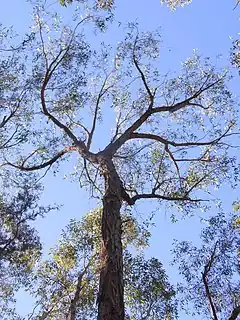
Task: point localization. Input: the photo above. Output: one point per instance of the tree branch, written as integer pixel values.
(144, 80)
(100, 95)
(43, 165)
(138, 135)
(161, 197)
(187, 102)
(207, 269)
(74, 301)
(50, 69)
(111, 149)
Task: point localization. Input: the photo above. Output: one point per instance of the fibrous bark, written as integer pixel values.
(110, 297)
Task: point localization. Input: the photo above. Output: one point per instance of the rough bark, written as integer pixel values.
(110, 297)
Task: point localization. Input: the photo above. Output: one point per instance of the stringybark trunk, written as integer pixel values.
(110, 297)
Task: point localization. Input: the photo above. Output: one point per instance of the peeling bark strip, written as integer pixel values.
(110, 297)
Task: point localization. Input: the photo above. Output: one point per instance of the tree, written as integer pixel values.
(211, 271)
(67, 283)
(173, 4)
(170, 142)
(20, 246)
(148, 293)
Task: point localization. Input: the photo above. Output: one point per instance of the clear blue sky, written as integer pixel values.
(205, 25)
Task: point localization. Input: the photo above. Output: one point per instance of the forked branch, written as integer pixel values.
(131, 131)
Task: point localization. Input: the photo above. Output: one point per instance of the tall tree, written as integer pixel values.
(170, 141)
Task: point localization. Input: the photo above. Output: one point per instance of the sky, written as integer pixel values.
(204, 25)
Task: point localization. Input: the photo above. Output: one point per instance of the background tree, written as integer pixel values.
(211, 271)
(171, 137)
(20, 246)
(67, 283)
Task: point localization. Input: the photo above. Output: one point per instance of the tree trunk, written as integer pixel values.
(110, 297)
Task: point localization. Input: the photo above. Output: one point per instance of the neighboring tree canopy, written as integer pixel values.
(67, 283)
(211, 272)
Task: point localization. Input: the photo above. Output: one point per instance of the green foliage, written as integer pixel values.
(236, 205)
(235, 54)
(148, 292)
(173, 4)
(210, 270)
(65, 2)
(74, 263)
(103, 4)
(20, 246)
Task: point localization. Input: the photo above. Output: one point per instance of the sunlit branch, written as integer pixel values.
(78, 124)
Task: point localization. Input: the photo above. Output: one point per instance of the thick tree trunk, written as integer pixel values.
(110, 298)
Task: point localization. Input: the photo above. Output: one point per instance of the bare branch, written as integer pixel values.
(161, 197)
(130, 155)
(43, 165)
(139, 135)
(90, 180)
(103, 90)
(144, 80)
(174, 161)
